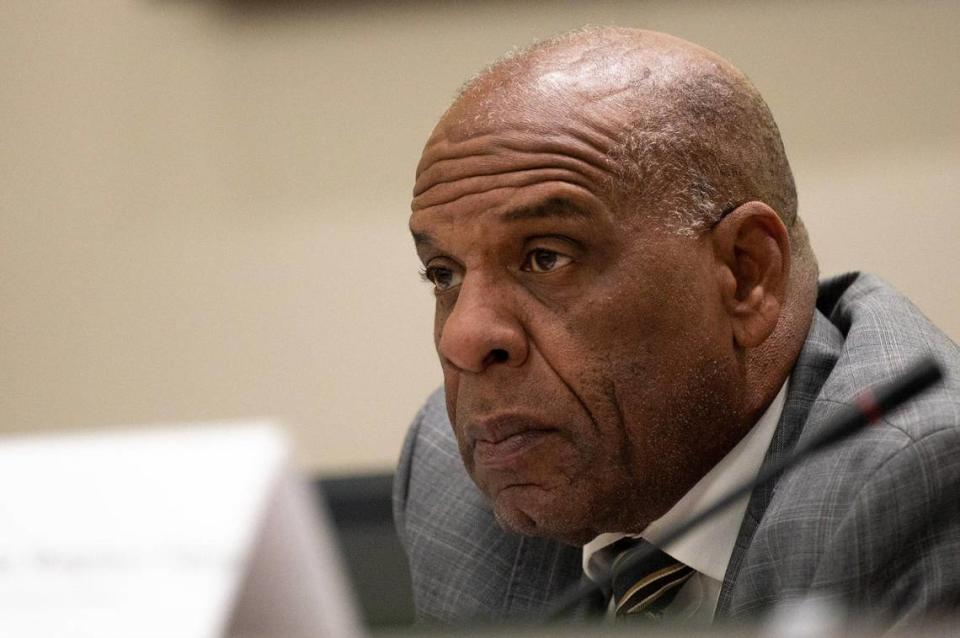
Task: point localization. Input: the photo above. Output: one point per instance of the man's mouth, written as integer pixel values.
(502, 441)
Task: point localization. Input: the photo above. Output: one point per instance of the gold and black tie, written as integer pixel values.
(645, 589)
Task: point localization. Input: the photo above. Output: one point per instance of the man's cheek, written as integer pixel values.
(555, 462)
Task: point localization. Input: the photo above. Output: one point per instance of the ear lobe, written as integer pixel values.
(753, 254)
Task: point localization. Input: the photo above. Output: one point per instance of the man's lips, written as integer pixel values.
(502, 440)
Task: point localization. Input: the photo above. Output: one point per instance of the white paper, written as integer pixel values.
(151, 533)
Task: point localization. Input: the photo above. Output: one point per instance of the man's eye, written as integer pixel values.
(542, 260)
(442, 278)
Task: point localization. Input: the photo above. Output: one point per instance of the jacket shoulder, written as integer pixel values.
(874, 521)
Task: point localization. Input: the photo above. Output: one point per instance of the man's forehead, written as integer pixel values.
(558, 111)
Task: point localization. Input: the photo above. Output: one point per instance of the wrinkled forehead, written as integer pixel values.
(511, 143)
(533, 125)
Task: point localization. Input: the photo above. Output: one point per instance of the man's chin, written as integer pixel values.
(519, 513)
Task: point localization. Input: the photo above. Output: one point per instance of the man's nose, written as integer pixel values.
(482, 330)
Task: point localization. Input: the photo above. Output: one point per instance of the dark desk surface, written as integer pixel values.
(362, 514)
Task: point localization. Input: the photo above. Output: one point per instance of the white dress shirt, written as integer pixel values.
(707, 548)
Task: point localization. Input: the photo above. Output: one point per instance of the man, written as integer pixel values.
(628, 321)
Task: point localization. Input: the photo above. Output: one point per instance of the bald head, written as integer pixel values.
(686, 136)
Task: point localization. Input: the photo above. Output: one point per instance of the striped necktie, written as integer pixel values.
(645, 589)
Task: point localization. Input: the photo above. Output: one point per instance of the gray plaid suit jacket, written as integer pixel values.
(874, 522)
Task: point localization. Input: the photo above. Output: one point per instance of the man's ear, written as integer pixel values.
(752, 250)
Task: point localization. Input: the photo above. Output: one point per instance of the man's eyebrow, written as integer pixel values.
(420, 238)
(554, 207)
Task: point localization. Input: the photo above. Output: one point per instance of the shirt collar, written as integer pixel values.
(707, 548)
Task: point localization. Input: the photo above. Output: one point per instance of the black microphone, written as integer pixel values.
(868, 406)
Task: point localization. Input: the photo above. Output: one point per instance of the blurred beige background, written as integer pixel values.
(203, 204)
